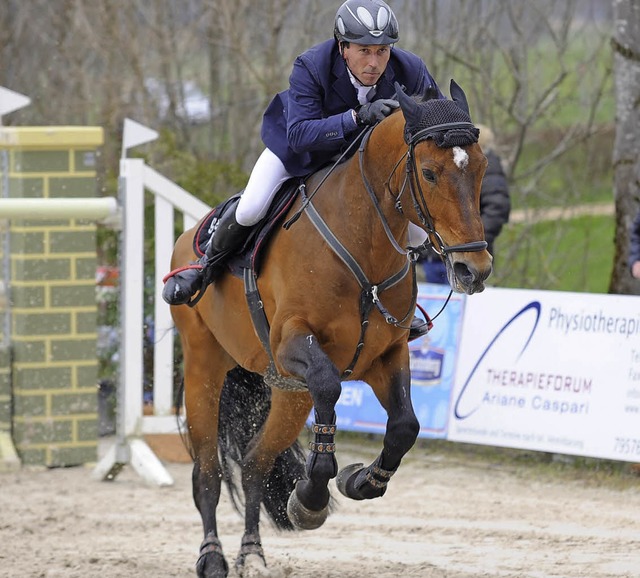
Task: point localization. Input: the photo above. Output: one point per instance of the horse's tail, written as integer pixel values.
(244, 406)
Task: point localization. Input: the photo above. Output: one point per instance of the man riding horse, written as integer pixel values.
(335, 90)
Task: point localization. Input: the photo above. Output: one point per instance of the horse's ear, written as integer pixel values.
(410, 108)
(458, 96)
(431, 93)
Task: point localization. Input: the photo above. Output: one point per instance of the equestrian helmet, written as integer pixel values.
(366, 22)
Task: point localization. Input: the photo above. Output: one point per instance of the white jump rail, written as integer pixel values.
(131, 424)
(95, 209)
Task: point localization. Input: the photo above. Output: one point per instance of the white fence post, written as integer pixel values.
(163, 324)
(129, 448)
(132, 295)
(168, 197)
(135, 178)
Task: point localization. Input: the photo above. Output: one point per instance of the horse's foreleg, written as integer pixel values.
(302, 356)
(360, 483)
(211, 562)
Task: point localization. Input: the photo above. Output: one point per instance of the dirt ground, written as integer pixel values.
(444, 516)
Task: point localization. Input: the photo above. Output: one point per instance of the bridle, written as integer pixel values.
(418, 199)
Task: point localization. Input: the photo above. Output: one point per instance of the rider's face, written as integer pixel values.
(367, 62)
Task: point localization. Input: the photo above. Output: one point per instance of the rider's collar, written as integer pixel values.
(365, 93)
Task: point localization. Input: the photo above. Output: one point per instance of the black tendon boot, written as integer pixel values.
(182, 285)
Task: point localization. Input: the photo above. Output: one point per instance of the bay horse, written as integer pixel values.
(338, 290)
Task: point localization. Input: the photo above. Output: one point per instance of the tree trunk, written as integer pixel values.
(626, 152)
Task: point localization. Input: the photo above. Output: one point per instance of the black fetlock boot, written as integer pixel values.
(182, 285)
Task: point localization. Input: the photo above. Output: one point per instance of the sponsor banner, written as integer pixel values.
(433, 360)
(550, 371)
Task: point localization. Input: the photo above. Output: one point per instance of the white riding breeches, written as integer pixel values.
(266, 177)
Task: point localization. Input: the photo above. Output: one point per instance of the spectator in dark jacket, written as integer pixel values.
(495, 206)
(634, 247)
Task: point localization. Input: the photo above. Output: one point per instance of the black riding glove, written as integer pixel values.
(375, 111)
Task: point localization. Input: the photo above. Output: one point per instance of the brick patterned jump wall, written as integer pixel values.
(53, 363)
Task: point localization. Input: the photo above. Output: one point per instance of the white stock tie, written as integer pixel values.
(364, 93)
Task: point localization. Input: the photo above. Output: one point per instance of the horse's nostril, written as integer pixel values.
(463, 273)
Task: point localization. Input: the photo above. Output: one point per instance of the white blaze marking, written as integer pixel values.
(460, 157)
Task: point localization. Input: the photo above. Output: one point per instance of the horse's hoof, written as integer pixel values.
(211, 563)
(344, 475)
(212, 566)
(253, 566)
(250, 562)
(302, 518)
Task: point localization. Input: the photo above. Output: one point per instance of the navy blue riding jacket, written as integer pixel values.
(311, 122)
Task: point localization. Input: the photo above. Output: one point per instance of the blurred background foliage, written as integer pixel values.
(539, 74)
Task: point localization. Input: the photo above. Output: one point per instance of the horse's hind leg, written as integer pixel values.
(281, 429)
(205, 367)
(302, 356)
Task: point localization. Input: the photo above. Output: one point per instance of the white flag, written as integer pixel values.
(135, 134)
(10, 101)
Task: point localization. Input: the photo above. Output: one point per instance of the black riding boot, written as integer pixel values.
(419, 328)
(228, 236)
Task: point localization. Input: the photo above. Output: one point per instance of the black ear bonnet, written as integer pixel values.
(446, 122)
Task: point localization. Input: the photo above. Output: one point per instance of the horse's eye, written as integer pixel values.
(429, 175)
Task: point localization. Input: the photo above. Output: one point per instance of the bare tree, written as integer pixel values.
(626, 154)
(528, 69)
(530, 76)
(251, 47)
